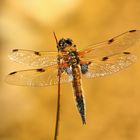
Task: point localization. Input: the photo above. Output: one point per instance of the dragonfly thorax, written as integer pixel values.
(67, 46)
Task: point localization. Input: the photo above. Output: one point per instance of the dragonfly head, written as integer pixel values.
(66, 44)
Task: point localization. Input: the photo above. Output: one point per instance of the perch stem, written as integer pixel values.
(58, 96)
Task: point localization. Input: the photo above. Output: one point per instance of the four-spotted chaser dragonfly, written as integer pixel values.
(98, 60)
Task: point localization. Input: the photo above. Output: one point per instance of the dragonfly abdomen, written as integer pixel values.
(78, 92)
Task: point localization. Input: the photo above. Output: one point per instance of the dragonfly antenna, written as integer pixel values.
(55, 38)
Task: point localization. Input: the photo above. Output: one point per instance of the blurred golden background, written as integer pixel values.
(28, 113)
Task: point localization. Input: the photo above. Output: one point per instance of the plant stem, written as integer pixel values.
(58, 107)
(58, 95)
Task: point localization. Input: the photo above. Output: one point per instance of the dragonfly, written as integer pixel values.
(97, 60)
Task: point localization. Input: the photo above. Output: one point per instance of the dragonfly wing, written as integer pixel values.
(37, 77)
(109, 65)
(34, 58)
(112, 46)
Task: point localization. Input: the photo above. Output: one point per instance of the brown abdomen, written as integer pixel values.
(78, 92)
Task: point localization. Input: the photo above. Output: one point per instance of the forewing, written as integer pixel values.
(110, 47)
(37, 77)
(109, 65)
(34, 58)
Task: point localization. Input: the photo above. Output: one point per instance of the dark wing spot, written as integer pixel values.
(89, 63)
(105, 58)
(126, 52)
(110, 41)
(15, 50)
(132, 31)
(12, 73)
(37, 53)
(40, 70)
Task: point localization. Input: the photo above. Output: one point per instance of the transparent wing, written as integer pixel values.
(109, 65)
(34, 58)
(37, 77)
(110, 47)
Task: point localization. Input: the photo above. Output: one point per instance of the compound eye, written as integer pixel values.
(61, 42)
(69, 41)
